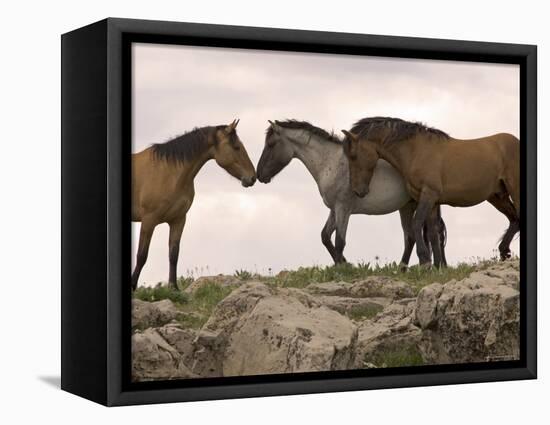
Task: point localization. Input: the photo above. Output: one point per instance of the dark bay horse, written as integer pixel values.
(162, 183)
(439, 170)
(321, 152)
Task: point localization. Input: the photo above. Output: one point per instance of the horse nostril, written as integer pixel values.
(253, 179)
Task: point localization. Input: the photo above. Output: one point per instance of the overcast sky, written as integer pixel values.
(277, 226)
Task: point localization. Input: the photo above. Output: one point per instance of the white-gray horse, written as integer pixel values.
(322, 154)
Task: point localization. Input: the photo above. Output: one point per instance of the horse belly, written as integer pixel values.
(471, 188)
(387, 191)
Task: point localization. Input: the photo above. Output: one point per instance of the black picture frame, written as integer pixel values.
(95, 296)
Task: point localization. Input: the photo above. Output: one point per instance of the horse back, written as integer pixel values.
(159, 188)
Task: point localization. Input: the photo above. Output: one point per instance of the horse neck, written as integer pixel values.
(317, 155)
(396, 154)
(189, 169)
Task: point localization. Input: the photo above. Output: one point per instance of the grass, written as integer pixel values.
(416, 276)
(243, 274)
(407, 355)
(202, 302)
(364, 312)
(161, 293)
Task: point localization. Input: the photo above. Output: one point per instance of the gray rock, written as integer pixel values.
(149, 314)
(350, 305)
(222, 280)
(473, 320)
(372, 287)
(389, 339)
(380, 286)
(154, 359)
(262, 330)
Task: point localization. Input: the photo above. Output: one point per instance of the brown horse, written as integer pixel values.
(162, 183)
(439, 170)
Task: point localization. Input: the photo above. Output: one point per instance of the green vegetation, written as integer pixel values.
(200, 303)
(407, 355)
(243, 274)
(158, 293)
(364, 312)
(417, 276)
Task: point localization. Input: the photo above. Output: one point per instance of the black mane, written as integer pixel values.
(399, 129)
(187, 146)
(304, 125)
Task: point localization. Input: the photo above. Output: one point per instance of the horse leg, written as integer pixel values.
(326, 235)
(503, 204)
(442, 230)
(423, 210)
(342, 220)
(146, 231)
(433, 235)
(513, 190)
(406, 214)
(176, 229)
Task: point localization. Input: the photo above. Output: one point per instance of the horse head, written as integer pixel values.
(277, 153)
(231, 155)
(362, 157)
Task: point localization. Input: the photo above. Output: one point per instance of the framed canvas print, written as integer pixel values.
(252, 212)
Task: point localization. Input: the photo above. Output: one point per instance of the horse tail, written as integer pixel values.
(512, 173)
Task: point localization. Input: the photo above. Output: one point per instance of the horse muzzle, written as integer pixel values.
(262, 179)
(248, 181)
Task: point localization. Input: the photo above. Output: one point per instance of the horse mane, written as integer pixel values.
(186, 146)
(399, 129)
(307, 126)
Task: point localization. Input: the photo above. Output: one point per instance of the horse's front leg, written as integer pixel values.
(406, 214)
(426, 203)
(176, 229)
(342, 220)
(145, 234)
(326, 235)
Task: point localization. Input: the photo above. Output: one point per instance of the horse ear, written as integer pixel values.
(351, 146)
(349, 134)
(231, 127)
(274, 126)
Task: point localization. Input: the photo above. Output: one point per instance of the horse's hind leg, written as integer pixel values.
(421, 215)
(176, 229)
(442, 230)
(503, 204)
(433, 236)
(146, 231)
(326, 235)
(406, 214)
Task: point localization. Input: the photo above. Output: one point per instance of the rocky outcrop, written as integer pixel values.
(262, 330)
(221, 280)
(390, 339)
(154, 358)
(148, 314)
(375, 322)
(472, 320)
(372, 287)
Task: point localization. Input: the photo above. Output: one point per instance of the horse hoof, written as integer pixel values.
(403, 267)
(426, 266)
(505, 255)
